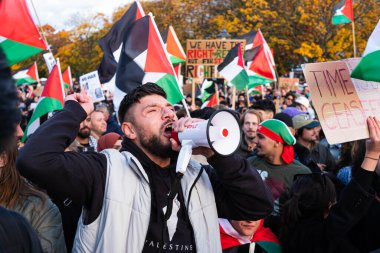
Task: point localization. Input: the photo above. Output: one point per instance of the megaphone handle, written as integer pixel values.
(184, 157)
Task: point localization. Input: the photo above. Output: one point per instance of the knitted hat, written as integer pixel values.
(278, 131)
(284, 118)
(108, 141)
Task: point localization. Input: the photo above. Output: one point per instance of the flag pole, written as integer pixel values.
(246, 92)
(233, 97)
(353, 37)
(216, 92)
(40, 26)
(186, 107)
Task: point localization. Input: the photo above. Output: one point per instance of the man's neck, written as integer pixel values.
(83, 141)
(95, 135)
(274, 160)
(250, 141)
(162, 162)
(307, 144)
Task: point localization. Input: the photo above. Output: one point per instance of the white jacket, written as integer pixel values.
(123, 222)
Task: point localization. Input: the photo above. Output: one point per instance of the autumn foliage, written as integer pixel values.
(298, 31)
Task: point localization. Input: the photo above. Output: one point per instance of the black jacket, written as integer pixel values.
(239, 190)
(331, 234)
(16, 234)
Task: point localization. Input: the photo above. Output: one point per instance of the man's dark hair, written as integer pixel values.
(204, 113)
(266, 105)
(136, 95)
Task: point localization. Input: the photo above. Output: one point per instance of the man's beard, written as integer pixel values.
(84, 134)
(156, 147)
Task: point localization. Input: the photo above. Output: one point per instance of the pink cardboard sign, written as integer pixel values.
(341, 103)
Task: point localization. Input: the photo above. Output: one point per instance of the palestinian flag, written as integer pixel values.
(51, 100)
(19, 36)
(343, 13)
(66, 77)
(369, 66)
(207, 89)
(173, 46)
(232, 68)
(263, 238)
(111, 43)
(261, 64)
(144, 59)
(211, 101)
(27, 76)
(249, 38)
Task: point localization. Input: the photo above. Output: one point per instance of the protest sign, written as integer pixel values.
(91, 84)
(342, 104)
(50, 61)
(288, 84)
(202, 56)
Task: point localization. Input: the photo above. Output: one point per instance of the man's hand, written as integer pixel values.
(83, 99)
(179, 126)
(373, 144)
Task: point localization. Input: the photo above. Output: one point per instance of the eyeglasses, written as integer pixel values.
(316, 176)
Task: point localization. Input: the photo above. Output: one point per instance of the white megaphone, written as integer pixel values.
(221, 133)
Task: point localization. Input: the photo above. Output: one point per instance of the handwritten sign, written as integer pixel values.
(288, 84)
(202, 56)
(342, 104)
(91, 84)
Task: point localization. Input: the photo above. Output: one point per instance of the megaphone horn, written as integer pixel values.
(221, 133)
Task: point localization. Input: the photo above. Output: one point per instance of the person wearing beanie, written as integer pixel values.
(275, 158)
(287, 120)
(110, 140)
(308, 151)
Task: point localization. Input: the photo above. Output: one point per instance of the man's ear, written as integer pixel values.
(128, 130)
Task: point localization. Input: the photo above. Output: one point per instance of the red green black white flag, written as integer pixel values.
(19, 36)
(343, 13)
(52, 99)
(144, 59)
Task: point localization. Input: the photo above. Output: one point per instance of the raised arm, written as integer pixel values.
(240, 193)
(79, 176)
(357, 197)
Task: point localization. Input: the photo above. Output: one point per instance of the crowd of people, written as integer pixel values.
(94, 180)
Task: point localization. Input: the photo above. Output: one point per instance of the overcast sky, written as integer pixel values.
(58, 13)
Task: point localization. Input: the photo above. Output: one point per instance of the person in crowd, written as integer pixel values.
(288, 100)
(98, 124)
(275, 158)
(84, 141)
(308, 150)
(266, 108)
(112, 124)
(110, 140)
(20, 196)
(313, 219)
(16, 234)
(287, 120)
(302, 104)
(247, 236)
(249, 122)
(333, 148)
(19, 134)
(292, 111)
(124, 194)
